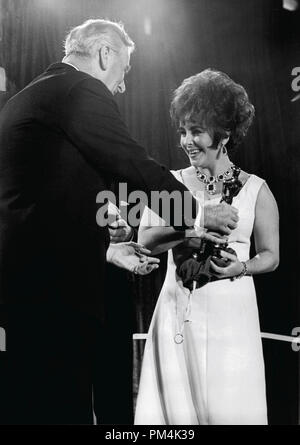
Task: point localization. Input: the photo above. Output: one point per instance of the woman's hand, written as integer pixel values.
(233, 269)
(133, 257)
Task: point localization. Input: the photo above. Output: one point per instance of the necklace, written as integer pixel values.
(210, 181)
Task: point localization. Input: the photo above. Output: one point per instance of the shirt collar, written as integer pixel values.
(68, 63)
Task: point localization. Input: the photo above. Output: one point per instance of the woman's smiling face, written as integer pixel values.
(197, 144)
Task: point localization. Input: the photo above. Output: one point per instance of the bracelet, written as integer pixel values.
(242, 273)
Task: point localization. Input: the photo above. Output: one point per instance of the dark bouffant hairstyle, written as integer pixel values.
(217, 103)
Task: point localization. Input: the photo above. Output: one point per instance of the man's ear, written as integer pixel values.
(103, 57)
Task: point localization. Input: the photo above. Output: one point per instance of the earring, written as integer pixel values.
(224, 149)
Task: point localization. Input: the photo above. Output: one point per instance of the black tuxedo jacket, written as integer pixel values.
(62, 140)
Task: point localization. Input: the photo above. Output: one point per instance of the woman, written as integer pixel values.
(203, 360)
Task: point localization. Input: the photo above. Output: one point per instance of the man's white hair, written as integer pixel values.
(84, 40)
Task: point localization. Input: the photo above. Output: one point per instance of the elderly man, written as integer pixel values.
(63, 141)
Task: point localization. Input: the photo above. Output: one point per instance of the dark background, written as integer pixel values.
(257, 43)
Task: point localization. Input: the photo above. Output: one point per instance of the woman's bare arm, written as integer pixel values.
(266, 234)
(159, 239)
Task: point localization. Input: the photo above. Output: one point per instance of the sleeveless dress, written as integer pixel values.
(215, 376)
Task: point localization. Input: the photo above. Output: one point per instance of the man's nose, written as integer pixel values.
(121, 87)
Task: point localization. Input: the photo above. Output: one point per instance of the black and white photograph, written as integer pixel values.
(149, 214)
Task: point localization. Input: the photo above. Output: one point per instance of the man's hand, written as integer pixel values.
(120, 231)
(220, 218)
(133, 257)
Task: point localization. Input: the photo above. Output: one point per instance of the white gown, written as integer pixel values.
(216, 375)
